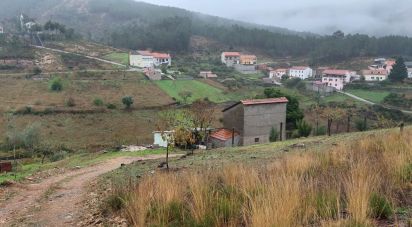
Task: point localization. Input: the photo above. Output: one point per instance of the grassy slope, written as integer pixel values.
(373, 96)
(260, 154)
(198, 89)
(334, 161)
(122, 58)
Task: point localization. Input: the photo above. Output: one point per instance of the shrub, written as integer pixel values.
(27, 110)
(303, 128)
(380, 207)
(361, 125)
(56, 84)
(114, 203)
(292, 83)
(36, 71)
(98, 102)
(273, 137)
(127, 101)
(111, 106)
(70, 102)
(321, 131)
(60, 155)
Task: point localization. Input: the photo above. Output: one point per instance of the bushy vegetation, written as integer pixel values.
(350, 185)
(399, 100)
(56, 84)
(304, 129)
(98, 102)
(127, 101)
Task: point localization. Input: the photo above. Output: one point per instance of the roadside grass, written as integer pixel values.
(122, 58)
(198, 90)
(373, 96)
(30, 167)
(344, 180)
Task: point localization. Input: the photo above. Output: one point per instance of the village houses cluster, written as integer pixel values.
(336, 79)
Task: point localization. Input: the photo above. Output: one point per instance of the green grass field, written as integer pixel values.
(122, 58)
(198, 89)
(373, 96)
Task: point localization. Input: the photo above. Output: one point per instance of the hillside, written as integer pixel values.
(136, 25)
(98, 18)
(354, 179)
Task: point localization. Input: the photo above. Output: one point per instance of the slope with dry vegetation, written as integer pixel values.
(362, 182)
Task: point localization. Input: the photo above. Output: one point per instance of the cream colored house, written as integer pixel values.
(147, 59)
(375, 75)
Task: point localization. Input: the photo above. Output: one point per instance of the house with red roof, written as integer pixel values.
(337, 78)
(302, 72)
(243, 63)
(375, 74)
(147, 59)
(230, 58)
(254, 119)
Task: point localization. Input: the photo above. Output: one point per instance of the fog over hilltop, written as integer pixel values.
(373, 17)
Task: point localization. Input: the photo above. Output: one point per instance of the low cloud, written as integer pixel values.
(373, 17)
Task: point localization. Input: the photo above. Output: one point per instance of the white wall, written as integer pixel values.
(141, 61)
(375, 77)
(158, 140)
(334, 81)
(302, 74)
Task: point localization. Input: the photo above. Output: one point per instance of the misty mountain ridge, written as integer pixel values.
(98, 18)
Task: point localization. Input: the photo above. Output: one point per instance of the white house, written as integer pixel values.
(408, 65)
(147, 59)
(230, 58)
(337, 78)
(278, 73)
(302, 72)
(375, 75)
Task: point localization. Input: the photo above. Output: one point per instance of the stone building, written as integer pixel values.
(254, 119)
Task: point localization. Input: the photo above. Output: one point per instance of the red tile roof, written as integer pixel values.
(390, 62)
(337, 72)
(264, 101)
(160, 55)
(231, 54)
(223, 134)
(375, 72)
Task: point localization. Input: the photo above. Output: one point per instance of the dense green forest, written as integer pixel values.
(137, 25)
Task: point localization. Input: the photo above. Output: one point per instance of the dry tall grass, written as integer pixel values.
(349, 185)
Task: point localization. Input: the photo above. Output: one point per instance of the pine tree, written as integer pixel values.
(399, 71)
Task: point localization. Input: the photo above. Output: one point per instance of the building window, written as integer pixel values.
(256, 140)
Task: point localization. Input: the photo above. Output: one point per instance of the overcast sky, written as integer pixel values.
(377, 17)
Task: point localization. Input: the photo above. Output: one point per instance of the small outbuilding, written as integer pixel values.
(224, 138)
(159, 138)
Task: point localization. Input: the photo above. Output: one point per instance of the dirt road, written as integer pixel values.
(56, 201)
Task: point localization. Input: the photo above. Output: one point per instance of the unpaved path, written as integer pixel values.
(56, 201)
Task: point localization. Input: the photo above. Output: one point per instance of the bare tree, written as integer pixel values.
(203, 115)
